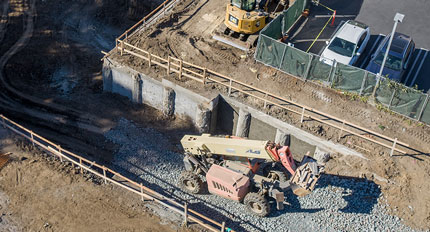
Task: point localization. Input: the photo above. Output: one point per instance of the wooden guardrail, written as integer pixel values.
(103, 172)
(206, 76)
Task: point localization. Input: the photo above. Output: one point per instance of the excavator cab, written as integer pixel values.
(246, 16)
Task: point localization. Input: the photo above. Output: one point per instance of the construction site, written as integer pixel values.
(208, 115)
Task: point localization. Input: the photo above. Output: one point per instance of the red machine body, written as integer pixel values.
(227, 183)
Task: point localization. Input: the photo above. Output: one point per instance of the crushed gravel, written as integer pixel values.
(337, 204)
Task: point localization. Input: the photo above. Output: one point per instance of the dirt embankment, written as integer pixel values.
(186, 34)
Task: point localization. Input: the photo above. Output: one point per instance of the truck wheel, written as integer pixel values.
(257, 204)
(190, 182)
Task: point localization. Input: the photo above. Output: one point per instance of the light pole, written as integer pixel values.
(397, 18)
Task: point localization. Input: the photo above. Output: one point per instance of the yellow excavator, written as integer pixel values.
(244, 18)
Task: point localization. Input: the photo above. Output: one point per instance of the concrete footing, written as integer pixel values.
(243, 123)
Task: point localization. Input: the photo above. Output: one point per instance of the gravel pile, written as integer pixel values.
(337, 204)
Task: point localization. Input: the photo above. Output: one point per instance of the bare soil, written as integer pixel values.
(186, 34)
(38, 193)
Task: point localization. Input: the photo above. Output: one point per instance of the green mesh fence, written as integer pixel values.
(348, 78)
(274, 28)
(295, 61)
(384, 92)
(369, 84)
(426, 114)
(319, 70)
(407, 101)
(293, 13)
(270, 51)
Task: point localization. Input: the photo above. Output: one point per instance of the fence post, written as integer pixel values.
(186, 214)
(32, 139)
(122, 47)
(392, 97)
(282, 57)
(80, 162)
(420, 115)
(303, 114)
(364, 82)
(168, 65)
(59, 151)
(229, 88)
(180, 69)
(394, 146)
(265, 101)
(332, 73)
(104, 174)
(204, 76)
(149, 59)
(378, 80)
(141, 192)
(223, 227)
(341, 129)
(308, 69)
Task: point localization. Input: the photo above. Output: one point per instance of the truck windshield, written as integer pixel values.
(247, 5)
(342, 47)
(392, 62)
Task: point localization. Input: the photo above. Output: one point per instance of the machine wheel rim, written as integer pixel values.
(256, 207)
(189, 185)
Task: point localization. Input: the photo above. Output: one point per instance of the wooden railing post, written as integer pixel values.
(394, 147)
(168, 65)
(223, 227)
(104, 174)
(60, 154)
(303, 115)
(149, 59)
(204, 76)
(265, 101)
(180, 69)
(80, 162)
(32, 138)
(186, 214)
(122, 47)
(341, 129)
(141, 192)
(229, 88)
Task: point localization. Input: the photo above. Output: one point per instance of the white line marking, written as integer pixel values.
(371, 51)
(419, 69)
(337, 16)
(413, 66)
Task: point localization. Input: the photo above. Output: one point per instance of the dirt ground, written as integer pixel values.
(38, 193)
(187, 33)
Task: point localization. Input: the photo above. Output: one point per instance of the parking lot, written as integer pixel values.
(378, 15)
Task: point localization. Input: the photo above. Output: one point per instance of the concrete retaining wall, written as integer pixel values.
(219, 114)
(163, 95)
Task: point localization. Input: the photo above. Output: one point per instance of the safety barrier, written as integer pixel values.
(104, 173)
(272, 52)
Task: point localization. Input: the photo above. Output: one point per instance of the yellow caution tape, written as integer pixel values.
(328, 8)
(320, 33)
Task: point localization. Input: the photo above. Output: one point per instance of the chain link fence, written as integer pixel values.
(392, 95)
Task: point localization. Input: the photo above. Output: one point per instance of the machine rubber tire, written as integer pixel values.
(272, 173)
(190, 182)
(257, 204)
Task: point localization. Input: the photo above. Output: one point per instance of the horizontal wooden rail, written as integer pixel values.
(89, 166)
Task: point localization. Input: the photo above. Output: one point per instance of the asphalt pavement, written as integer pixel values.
(378, 15)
